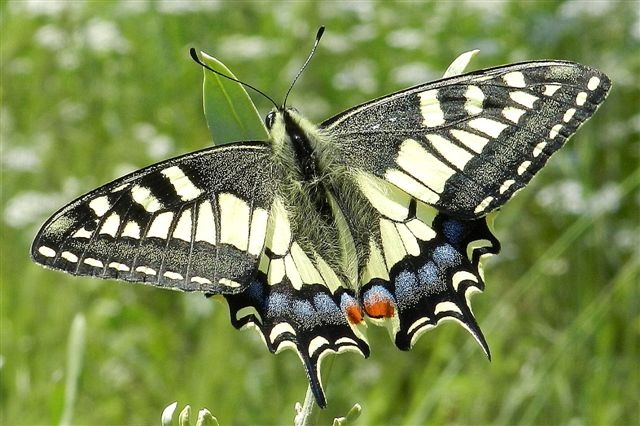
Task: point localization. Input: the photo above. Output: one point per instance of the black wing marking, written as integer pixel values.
(194, 223)
(466, 144)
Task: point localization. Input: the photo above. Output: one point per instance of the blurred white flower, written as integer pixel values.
(104, 36)
(413, 73)
(406, 38)
(570, 197)
(51, 37)
(357, 76)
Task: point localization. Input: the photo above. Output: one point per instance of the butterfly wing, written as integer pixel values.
(211, 221)
(432, 161)
(196, 222)
(297, 301)
(466, 144)
(421, 266)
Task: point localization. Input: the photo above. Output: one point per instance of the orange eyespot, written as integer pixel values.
(354, 314)
(381, 308)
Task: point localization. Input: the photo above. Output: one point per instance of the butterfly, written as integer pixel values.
(377, 215)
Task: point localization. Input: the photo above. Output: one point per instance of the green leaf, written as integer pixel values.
(230, 113)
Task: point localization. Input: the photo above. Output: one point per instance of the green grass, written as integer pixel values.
(561, 310)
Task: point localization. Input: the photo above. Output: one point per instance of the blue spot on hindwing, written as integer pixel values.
(407, 287)
(328, 309)
(446, 256)
(453, 231)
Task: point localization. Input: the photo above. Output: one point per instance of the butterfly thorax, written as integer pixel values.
(308, 166)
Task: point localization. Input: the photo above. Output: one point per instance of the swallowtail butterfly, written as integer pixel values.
(379, 213)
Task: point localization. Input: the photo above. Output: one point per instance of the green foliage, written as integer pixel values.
(91, 90)
(231, 115)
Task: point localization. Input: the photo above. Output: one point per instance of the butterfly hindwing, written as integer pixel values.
(297, 301)
(197, 222)
(466, 144)
(421, 266)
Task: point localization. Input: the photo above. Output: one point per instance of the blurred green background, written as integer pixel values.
(91, 90)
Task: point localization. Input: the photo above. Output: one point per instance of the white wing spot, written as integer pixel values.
(131, 230)
(46, 251)
(229, 283)
(475, 97)
(276, 271)
(523, 167)
(110, 225)
(119, 187)
(375, 266)
(554, 131)
(581, 98)
(593, 83)
(539, 148)
(206, 226)
(184, 227)
(523, 98)
(173, 275)
(201, 280)
(181, 183)
(421, 230)
(472, 141)
(506, 185)
(461, 276)
(279, 229)
(119, 266)
(513, 114)
(424, 166)
(488, 126)
(328, 274)
(385, 198)
(234, 221)
(569, 115)
(317, 343)
(67, 255)
(292, 272)
(550, 89)
(258, 231)
(424, 321)
(142, 196)
(160, 226)
(514, 79)
(146, 270)
(82, 233)
(446, 307)
(483, 205)
(100, 205)
(411, 186)
(392, 245)
(432, 115)
(456, 155)
(408, 239)
(281, 329)
(93, 262)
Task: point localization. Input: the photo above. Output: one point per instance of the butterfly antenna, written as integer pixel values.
(195, 57)
(313, 50)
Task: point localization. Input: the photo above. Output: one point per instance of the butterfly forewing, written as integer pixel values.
(196, 222)
(466, 144)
